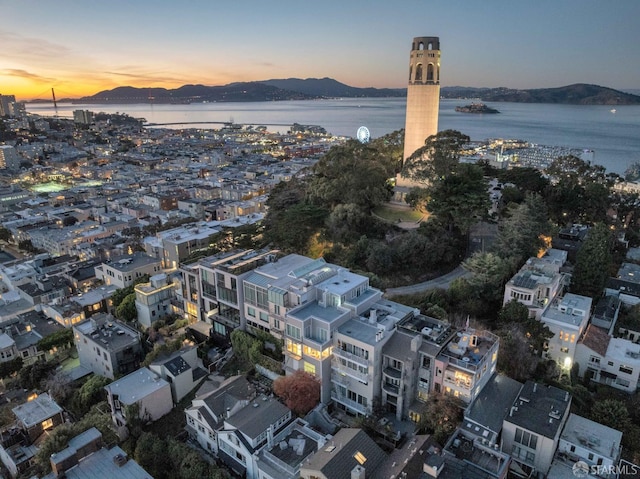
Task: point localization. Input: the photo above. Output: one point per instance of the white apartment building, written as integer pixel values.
(567, 319)
(154, 299)
(590, 442)
(123, 271)
(538, 282)
(356, 365)
(607, 360)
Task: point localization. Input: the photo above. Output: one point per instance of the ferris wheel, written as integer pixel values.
(363, 134)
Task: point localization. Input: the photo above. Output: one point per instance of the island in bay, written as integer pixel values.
(476, 108)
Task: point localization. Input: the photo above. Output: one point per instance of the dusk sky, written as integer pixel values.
(81, 47)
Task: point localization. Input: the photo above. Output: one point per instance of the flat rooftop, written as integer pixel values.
(102, 465)
(34, 412)
(136, 385)
(313, 310)
(540, 409)
(111, 335)
(603, 440)
(294, 447)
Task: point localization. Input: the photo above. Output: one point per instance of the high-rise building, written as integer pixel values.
(9, 158)
(5, 101)
(423, 97)
(82, 117)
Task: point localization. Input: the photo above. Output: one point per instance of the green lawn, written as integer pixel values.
(395, 214)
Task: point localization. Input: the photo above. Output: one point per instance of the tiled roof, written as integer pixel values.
(596, 339)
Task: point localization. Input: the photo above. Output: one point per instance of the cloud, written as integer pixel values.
(20, 47)
(14, 72)
(147, 77)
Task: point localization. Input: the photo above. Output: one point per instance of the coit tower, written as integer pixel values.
(423, 93)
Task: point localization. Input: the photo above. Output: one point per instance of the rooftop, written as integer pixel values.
(598, 438)
(132, 262)
(492, 405)
(313, 310)
(111, 334)
(39, 409)
(540, 409)
(337, 458)
(257, 416)
(294, 445)
(135, 386)
(596, 339)
(571, 310)
(104, 464)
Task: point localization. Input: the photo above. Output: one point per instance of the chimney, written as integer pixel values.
(373, 317)
(358, 472)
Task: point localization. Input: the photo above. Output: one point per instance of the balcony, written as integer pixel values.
(392, 373)
(362, 377)
(340, 379)
(348, 402)
(391, 389)
(457, 383)
(350, 357)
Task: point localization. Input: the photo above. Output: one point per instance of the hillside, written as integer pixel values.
(315, 88)
(577, 94)
(330, 88)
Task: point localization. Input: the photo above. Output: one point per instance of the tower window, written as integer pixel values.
(419, 72)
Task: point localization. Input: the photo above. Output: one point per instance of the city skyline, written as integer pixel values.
(81, 48)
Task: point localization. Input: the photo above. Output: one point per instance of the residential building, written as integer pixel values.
(607, 360)
(466, 455)
(412, 348)
(606, 312)
(213, 404)
(212, 287)
(106, 346)
(97, 300)
(66, 314)
(467, 363)
(123, 271)
(9, 158)
(82, 117)
(531, 431)
(567, 319)
(590, 442)
(181, 369)
(85, 457)
(356, 364)
(38, 415)
(626, 285)
(17, 443)
(284, 455)
(304, 302)
(247, 431)
(143, 388)
(484, 417)
(538, 282)
(154, 299)
(351, 454)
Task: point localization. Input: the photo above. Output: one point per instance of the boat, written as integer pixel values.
(613, 110)
(476, 108)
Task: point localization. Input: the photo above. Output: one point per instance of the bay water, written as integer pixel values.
(613, 133)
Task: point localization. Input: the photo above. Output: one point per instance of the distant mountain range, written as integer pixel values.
(318, 88)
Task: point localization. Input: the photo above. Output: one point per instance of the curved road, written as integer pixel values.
(441, 282)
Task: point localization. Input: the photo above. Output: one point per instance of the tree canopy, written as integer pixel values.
(460, 199)
(437, 159)
(300, 391)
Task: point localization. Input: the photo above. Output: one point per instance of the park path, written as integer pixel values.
(441, 282)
